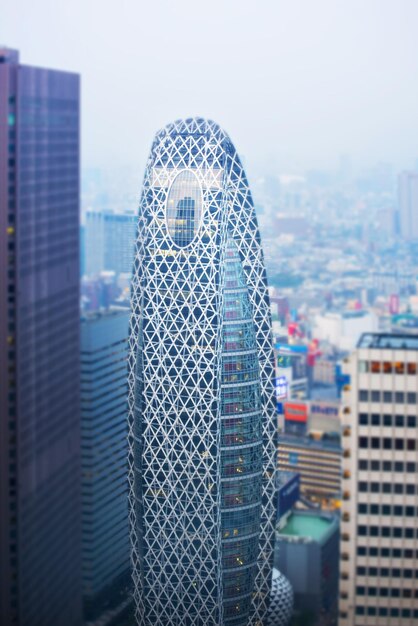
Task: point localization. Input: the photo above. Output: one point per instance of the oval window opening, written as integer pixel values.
(184, 208)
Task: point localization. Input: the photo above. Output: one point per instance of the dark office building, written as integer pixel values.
(104, 428)
(39, 346)
(307, 555)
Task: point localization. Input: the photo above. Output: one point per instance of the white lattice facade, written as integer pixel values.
(281, 604)
(201, 390)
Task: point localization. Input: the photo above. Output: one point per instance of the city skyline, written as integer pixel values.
(208, 350)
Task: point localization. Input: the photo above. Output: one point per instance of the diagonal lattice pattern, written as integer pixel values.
(186, 507)
(281, 604)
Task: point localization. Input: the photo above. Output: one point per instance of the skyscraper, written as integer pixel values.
(201, 389)
(105, 531)
(379, 528)
(39, 346)
(110, 240)
(408, 204)
(119, 239)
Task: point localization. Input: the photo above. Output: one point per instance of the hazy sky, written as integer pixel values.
(294, 82)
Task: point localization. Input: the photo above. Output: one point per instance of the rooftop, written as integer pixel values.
(310, 525)
(395, 341)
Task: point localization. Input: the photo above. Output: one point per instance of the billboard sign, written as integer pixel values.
(289, 494)
(296, 412)
(282, 386)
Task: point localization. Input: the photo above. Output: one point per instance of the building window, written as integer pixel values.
(387, 420)
(387, 396)
(375, 419)
(363, 419)
(363, 395)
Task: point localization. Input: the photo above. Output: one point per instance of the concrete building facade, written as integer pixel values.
(379, 527)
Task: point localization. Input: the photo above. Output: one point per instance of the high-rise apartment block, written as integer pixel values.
(379, 527)
(408, 204)
(202, 401)
(105, 527)
(39, 346)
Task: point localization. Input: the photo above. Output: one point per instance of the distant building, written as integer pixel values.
(408, 204)
(387, 219)
(39, 345)
(94, 243)
(343, 329)
(324, 372)
(99, 291)
(119, 237)
(379, 527)
(291, 370)
(109, 241)
(105, 529)
(393, 281)
(307, 555)
(319, 464)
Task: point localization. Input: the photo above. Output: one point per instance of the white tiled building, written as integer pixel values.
(379, 525)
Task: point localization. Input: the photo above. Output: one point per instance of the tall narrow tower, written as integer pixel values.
(39, 346)
(202, 412)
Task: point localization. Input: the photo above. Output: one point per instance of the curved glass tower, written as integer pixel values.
(202, 409)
